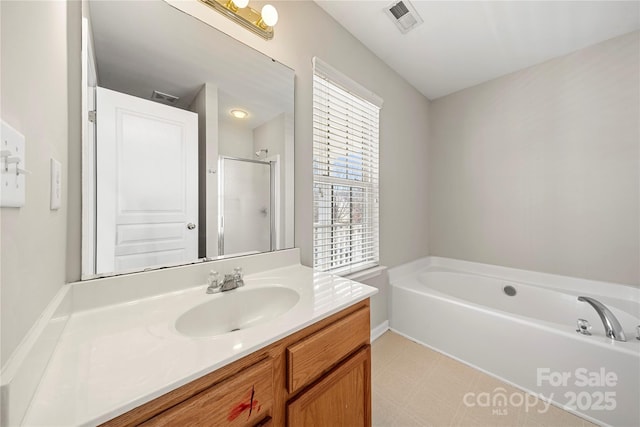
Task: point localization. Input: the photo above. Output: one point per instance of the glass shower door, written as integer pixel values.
(245, 221)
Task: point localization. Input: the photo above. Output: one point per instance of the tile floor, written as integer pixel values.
(416, 386)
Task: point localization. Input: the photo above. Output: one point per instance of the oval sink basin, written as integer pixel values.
(235, 310)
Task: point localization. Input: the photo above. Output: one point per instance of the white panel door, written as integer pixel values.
(147, 183)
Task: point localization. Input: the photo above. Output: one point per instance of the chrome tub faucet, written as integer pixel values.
(612, 327)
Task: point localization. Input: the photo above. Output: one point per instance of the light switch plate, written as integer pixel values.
(56, 184)
(13, 159)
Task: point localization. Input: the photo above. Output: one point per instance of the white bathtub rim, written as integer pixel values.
(409, 269)
(556, 404)
(619, 303)
(630, 347)
(574, 285)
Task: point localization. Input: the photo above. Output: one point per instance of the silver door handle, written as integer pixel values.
(191, 226)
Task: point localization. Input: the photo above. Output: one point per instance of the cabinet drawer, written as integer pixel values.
(309, 358)
(242, 400)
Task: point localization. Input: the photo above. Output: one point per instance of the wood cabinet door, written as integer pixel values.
(341, 398)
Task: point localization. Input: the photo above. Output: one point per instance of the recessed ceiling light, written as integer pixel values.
(239, 114)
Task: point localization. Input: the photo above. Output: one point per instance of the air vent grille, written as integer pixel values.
(165, 98)
(399, 10)
(404, 15)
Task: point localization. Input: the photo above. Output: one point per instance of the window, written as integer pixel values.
(345, 173)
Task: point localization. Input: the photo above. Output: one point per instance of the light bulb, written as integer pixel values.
(269, 15)
(241, 4)
(239, 114)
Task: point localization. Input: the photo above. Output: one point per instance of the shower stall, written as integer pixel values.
(247, 207)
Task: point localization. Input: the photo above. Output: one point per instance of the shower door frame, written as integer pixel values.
(272, 199)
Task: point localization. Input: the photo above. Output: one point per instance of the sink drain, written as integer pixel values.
(233, 330)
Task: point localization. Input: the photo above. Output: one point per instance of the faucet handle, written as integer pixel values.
(214, 278)
(237, 276)
(214, 282)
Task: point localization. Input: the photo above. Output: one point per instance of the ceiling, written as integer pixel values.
(142, 46)
(464, 43)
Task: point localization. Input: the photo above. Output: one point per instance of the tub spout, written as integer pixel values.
(612, 327)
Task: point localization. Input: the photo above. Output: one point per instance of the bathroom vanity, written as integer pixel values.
(123, 357)
(317, 376)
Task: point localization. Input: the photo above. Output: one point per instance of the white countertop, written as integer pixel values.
(112, 359)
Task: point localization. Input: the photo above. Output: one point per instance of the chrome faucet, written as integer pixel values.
(230, 281)
(612, 327)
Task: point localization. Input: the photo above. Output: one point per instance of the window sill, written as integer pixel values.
(366, 274)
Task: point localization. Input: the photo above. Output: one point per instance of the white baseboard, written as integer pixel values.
(379, 330)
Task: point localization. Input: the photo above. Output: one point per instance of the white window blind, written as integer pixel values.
(345, 172)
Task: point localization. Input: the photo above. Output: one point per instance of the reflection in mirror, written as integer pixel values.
(189, 153)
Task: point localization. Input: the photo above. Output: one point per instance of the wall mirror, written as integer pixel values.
(187, 141)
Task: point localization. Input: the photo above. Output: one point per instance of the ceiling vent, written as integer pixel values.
(165, 98)
(404, 15)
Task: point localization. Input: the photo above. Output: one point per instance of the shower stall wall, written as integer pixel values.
(247, 208)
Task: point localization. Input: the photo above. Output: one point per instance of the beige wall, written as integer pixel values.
(235, 140)
(271, 136)
(380, 301)
(206, 105)
(540, 169)
(34, 101)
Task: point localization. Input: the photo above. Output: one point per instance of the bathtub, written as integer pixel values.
(528, 340)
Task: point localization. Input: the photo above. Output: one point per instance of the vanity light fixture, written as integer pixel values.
(261, 23)
(239, 114)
